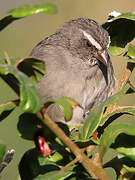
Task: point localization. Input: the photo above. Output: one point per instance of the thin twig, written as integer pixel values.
(120, 84)
(124, 77)
(7, 159)
(88, 149)
(7, 58)
(93, 169)
(68, 165)
(131, 85)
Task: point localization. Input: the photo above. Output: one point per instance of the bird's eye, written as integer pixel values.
(92, 61)
(89, 44)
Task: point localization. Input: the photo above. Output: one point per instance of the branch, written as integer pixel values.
(7, 159)
(93, 169)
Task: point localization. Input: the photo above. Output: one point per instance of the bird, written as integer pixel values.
(77, 66)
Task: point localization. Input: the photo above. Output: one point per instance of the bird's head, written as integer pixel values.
(87, 40)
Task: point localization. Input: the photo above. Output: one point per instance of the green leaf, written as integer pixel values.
(125, 144)
(29, 98)
(33, 163)
(55, 157)
(5, 21)
(65, 104)
(131, 53)
(114, 50)
(120, 111)
(113, 99)
(92, 122)
(129, 169)
(29, 125)
(96, 115)
(2, 151)
(24, 11)
(31, 10)
(3, 61)
(29, 163)
(5, 109)
(128, 152)
(54, 175)
(127, 172)
(60, 154)
(46, 161)
(124, 167)
(111, 133)
(122, 31)
(130, 90)
(32, 67)
(12, 60)
(129, 15)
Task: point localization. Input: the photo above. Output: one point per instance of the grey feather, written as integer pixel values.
(73, 69)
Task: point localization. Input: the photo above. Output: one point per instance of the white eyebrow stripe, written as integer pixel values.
(92, 40)
(109, 42)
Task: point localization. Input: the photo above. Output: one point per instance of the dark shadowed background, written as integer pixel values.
(20, 37)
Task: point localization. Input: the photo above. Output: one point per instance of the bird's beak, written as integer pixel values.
(103, 57)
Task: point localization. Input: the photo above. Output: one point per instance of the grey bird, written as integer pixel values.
(77, 65)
